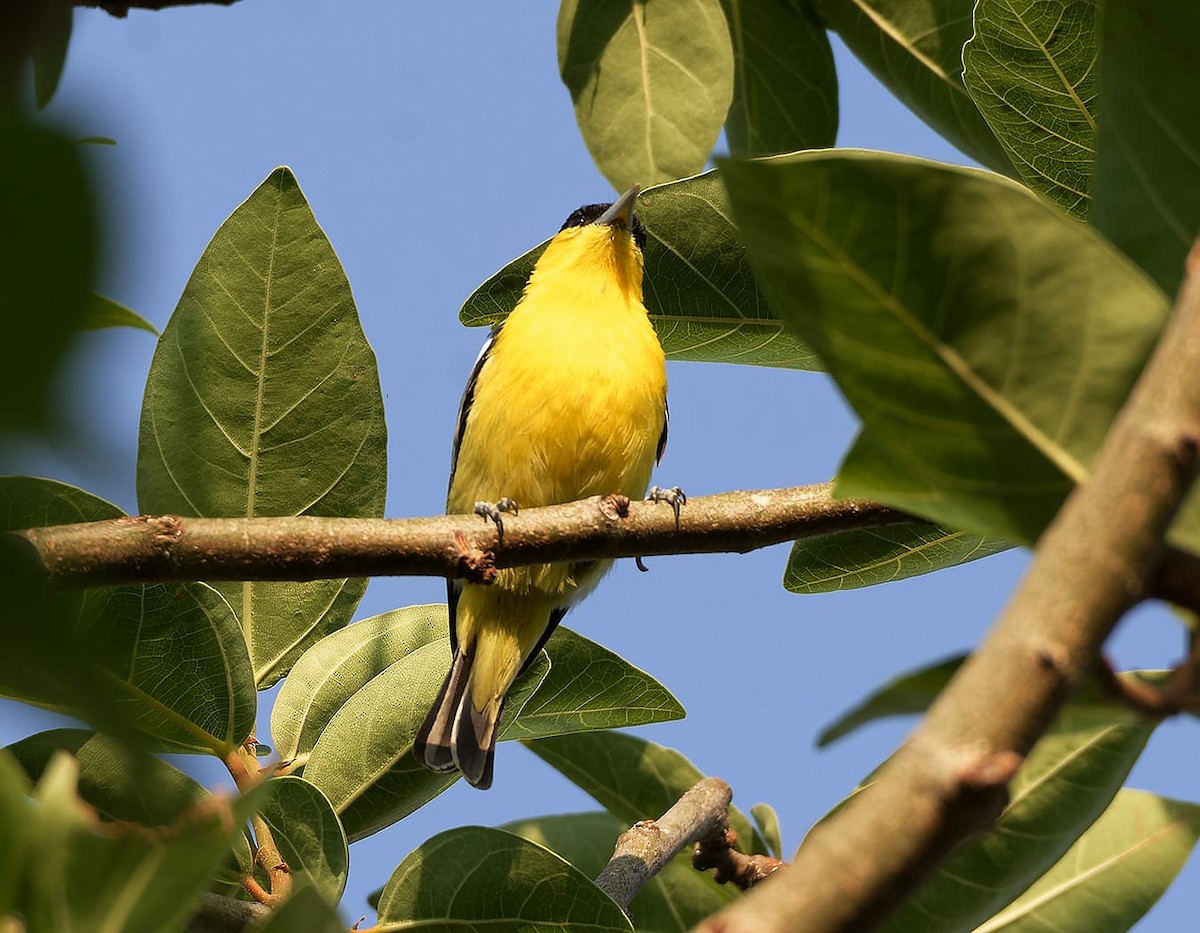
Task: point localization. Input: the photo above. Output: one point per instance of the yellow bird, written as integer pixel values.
(568, 399)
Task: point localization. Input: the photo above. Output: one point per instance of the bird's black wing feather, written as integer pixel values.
(662, 438)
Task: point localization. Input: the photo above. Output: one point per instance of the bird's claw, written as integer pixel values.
(492, 511)
(674, 497)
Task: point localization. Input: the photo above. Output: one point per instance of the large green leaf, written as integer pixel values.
(865, 557)
(785, 85)
(651, 83)
(79, 879)
(985, 339)
(1067, 781)
(474, 876)
(703, 298)
(1032, 70)
(309, 835)
(673, 901)
(263, 399)
(16, 826)
(1115, 873)
(125, 646)
(631, 778)
(1144, 192)
(363, 760)
(915, 48)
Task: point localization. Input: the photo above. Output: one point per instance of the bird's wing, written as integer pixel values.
(468, 397)
(662, 438)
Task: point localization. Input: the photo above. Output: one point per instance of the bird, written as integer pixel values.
(568, 399)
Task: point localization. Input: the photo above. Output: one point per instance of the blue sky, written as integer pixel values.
(435, 142)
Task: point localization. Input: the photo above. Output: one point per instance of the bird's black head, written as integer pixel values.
(589, 213)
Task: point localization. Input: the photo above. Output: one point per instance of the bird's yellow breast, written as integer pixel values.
(570, 402)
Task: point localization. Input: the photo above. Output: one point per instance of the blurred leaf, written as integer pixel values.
(1032, 70)
(16, 825)
(96, 141)
(50, 48)
(113, 655)
(119, 782)
(1115, 873)
(104, 312)
(363, 760)
(847, 559)
(631, 778)
(263, 399)
(767, 821)
(81, 879)
(306, 911)
(651, 84)
(1144, 193)
(985, 339)
(915, 48)
(700, 291)
(588, 688)
(673, 901)
(477, 876)
(340, 664)
(909, 693)
(1067, 781)
(785, 93)
(46, 265)
(309, 835)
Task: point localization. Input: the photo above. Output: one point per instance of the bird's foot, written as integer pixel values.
(674, 497)
(492, 511)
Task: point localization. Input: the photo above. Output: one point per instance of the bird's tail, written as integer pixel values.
(455, 734)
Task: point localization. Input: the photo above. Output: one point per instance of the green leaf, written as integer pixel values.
(985, 339)
(474, 876)
(16, 826)
(651, 84)
(590, 688)
(263, 399)
(785, 94)
(125, 646)
(909, 693)
(767, 821)
(1144, 193)
(306, 911)
(673, 901)
(363, 760)
(45, 271)
(104, 312)
(53, 35)
(915, 48)
(844, 560)
(1067, 781)
(79, 879)
(703, 298)
(1115, 873)
(309, 835)
(1032, 70)
(631, 778)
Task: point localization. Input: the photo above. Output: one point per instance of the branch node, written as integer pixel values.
(474, 565)
(614, 507)
(717, 853)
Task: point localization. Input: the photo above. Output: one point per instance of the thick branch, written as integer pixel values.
(1097, 558)
(643, 850)
(142, 549)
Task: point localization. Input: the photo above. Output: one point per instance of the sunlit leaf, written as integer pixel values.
(651, 84)
(785, 93)
(1144, 192)
(16, 826)
(673, 901)
(631, 778)
(868, 556)
(476, 876)
(104, 312)
(309, 835)
(1032, 70)
(263, 399)
(915, 48)
(985, 339)
(700, 291)
(767, 821)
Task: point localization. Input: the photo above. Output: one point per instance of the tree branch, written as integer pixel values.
(218, 914)
(1097, 558)
(121, 9)
(162, 548)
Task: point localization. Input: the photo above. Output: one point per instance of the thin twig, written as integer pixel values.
(1098, 557)
(242, 764)
(172, 548)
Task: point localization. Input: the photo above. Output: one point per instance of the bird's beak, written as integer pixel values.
(620, 214)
